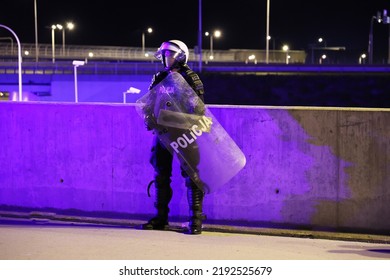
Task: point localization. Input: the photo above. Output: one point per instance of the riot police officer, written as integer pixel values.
(174, 56)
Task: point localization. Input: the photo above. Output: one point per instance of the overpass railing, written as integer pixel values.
(118, 54)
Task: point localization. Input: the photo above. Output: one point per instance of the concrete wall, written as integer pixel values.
(309, 167)
(61, 88)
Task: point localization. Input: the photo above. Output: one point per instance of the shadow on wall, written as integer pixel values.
(357, 145)
(313, 165)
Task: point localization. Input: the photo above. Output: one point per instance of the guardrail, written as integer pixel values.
(148, 68)
(118, 54)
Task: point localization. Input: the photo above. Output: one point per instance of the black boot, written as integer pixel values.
(195, 202)
(163, 197)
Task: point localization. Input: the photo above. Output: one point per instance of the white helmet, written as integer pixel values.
(176, 46)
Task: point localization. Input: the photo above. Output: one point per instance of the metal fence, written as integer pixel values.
(46, 52)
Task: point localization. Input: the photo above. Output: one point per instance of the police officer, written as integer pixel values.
(174, 56)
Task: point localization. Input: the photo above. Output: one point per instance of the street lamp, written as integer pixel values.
(36, 31)
(380, 18)
(53, 28)
(322, 58)
(285, 48)
(216, 34)
(362, 58)
(252, 57)
(69, 26)
(269, 38)
(267, 34)
(316, 46)
(19, 59)
(90, 55)
(200, 34)
(321, 40)
(53, 54)
(149, 30)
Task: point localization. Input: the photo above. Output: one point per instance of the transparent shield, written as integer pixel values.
(189, 130)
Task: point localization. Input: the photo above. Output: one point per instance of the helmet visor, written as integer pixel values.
(169, 50)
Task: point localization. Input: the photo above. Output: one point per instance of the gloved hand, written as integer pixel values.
(150, 122)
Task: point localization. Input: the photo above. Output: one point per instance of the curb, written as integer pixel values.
(52, 218)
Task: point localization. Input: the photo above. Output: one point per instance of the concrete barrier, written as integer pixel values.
(306, 167)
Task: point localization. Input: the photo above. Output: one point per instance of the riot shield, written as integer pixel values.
(189, 130)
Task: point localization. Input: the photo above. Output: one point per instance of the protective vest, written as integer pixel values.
(189, 75)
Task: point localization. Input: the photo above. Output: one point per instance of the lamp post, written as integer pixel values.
(53, 28)
(321, 40)
(269, 38)
(380, 18)
(36, 31)
(69, 26)
(149, 30)
(216, 34)
(200, 34)
(53, 53)
(285, 49)
(362, 58)
(267, 34)
(371, 40)
(60, 27)
(252, 57)
(19, 60)
(322, 58)
(316, 46)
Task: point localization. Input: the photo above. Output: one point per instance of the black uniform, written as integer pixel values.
(161, 160)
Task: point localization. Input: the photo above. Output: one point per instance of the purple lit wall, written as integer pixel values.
(305, 166)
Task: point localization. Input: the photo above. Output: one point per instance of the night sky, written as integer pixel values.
(297, 23)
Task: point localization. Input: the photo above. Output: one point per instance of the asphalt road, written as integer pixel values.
(42, 240)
